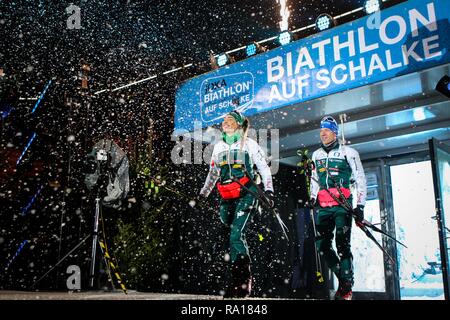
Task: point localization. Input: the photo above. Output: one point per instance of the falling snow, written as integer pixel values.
(161, 236)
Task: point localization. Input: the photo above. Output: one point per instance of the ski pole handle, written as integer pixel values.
(342, 117)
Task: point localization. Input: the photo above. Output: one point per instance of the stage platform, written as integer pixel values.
(101, 295)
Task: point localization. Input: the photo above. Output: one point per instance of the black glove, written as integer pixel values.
(270, 196)
(358, 213)
(311, 204)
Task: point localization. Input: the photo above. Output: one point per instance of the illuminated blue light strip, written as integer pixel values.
(21, 246)
(30, 203)
(26, 148)
(42, 96)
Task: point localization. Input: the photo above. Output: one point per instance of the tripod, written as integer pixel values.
(104, 249)
(95, 240)
(101, 183)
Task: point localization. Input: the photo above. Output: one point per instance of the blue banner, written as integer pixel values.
(406, 38)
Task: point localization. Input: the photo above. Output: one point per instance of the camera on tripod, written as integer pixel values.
(107, 172)
(102, 155)
(107, 178)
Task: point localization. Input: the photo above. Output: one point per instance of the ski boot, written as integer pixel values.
(244, 277)
(232, 289)
(344, 291)
(241, 284)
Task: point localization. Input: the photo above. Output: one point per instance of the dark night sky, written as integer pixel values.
(135, 38)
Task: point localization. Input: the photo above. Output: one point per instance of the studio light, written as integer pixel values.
(251, 49)
(372, 6)
(223, 59)
(284, 38)
(254, 48)
(325, 21)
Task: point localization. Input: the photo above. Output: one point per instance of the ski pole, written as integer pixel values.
(306, 169)
(266, 203)
(360, 225)
(178, 193)
(376, 229)
(284, 228)
(350, 209)
(343, 117)
(371, 237)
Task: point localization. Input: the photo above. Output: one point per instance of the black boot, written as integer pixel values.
(244, 277)
(241, 279)
(231, 291)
